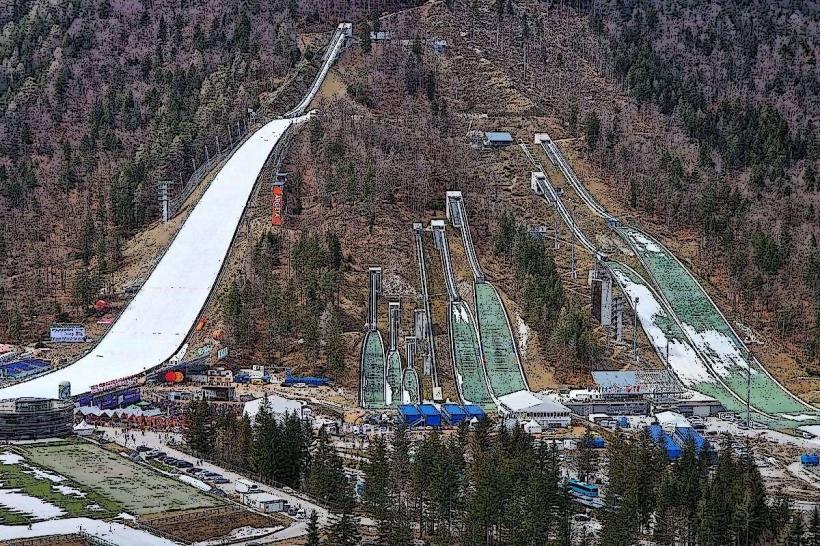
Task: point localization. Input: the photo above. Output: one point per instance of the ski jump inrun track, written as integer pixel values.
(682, 322)
(154, 325)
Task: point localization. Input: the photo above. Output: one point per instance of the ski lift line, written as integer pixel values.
(428, 326)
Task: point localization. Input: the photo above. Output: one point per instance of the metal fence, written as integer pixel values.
(236, 139)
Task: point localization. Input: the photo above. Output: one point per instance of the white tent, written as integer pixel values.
(278, 405)
(83, 429)
(532, 427)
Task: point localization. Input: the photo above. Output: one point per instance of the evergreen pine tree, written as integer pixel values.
(376, 497)
(313, 537)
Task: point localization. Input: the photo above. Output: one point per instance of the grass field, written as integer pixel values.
(58, 491)
(138, 489)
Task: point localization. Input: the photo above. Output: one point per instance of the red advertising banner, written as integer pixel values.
(278, 206)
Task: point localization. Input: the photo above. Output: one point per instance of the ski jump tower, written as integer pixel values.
(373, 370)
(394, 375)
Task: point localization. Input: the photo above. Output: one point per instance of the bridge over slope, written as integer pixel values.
(154, 325)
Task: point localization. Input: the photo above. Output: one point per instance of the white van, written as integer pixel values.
(246, 486)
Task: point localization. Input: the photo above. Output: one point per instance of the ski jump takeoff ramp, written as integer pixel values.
(156, 322)
(470, 375)
(706, 353)
(500, 354)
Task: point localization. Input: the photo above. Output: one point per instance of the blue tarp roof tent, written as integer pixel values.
(410, 414)
(673, 450)
(809, 459)
(474, 411)
(453, 413)
(431, 415)
(22, 367)
(687, 434)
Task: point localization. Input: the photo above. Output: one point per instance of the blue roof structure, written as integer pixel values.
(498, 137)
(453, 413)
(673, 450)
(22, 367)
(688, 434)
(410, 414)
(475, 411)
(431, 415)
(809, 459)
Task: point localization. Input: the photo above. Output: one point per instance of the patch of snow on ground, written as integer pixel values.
(126, 516)
(199, 484)
(8, 457)
(241, 533)
(110, 531)
(645, 242)
(23, 503)
(682, 358)
(94, 507)
(801, 417)
(523, 334)
(68, 490)
(388, 393)
(728, 358)
(41, 474)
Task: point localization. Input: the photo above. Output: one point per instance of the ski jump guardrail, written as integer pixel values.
(373, 365)
(737, 384)
(428, 334)
(468, 364)
(393, 391)
(411, 388)
(541, 183)
(557, 158)
(499, 352)
(440, 237)
(156, 322)
(457, 214)
(343, 31)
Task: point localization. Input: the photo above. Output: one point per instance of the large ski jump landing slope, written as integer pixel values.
(156, 322)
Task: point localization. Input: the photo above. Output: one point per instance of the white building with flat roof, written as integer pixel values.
(526, 407)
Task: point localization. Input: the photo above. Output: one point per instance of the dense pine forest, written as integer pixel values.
(488, 485)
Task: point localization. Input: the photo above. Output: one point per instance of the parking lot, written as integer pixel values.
(161, 441)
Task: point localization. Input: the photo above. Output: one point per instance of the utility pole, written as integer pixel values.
(749, 357)
(635, 330)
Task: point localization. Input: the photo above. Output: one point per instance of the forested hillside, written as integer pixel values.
(101, 99)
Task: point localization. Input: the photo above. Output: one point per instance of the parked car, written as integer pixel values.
(183, 464)
(142, 449)
(220, 480)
